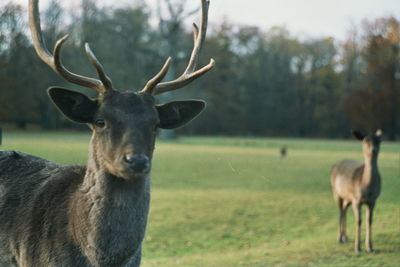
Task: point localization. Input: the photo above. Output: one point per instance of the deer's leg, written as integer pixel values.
(357, 217)
(341, 219)
(345, 206)
(369, 214)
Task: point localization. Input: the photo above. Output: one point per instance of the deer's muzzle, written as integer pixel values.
(137, 163)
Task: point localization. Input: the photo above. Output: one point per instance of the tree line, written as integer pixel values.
(265, 83)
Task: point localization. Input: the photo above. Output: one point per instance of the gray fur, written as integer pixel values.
(53, 215)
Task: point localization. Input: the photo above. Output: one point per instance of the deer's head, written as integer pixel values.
(371, 143)
(124, 124)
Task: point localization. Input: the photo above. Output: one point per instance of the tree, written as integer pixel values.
(17, 102)
(375, 101)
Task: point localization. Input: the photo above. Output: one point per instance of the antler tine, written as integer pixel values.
(99, 68)
(37, 38)
(55, 62)
(200, 36)
(183, 80)
(195, 32)
(59, 68)
(156, 79)
(190, 74)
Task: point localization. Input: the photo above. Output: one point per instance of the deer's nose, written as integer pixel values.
(138, 163)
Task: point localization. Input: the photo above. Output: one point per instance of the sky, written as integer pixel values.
(307, 18)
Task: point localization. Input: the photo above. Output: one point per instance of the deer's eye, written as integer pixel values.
(100, 123)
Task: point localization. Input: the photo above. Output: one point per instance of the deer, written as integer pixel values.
(357, 183)
(283, 152)
(92, 215)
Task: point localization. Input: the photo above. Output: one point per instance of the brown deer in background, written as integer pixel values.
(93, 215)
(358, 183)
(283, 152)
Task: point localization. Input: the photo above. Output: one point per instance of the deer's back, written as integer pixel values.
(345, 178)
(34, 198)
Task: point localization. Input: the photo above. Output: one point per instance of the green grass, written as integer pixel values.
(233, 202)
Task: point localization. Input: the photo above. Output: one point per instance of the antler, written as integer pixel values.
(190, 74)
(55, 63)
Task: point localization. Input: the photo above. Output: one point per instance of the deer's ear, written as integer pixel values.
(74, 105)
(358, 135)
(176, 114)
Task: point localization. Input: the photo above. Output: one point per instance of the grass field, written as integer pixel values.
(233, 202)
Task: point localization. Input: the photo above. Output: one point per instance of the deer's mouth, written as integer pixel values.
(126, 171)
(130, 174)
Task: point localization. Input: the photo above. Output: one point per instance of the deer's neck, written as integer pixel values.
(371, 172)
(109, 215)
